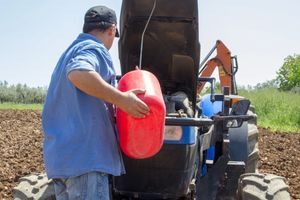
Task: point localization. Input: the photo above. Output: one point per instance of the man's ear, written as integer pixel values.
(111, 31)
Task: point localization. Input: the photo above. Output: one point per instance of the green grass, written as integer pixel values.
(278, 111)
(21, 106)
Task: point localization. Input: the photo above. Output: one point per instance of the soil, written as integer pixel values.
(21, 139)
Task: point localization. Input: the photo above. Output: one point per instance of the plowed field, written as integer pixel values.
(21, 139)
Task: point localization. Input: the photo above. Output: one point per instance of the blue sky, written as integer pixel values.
(261, 33)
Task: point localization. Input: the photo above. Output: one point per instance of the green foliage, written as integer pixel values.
(207, 88)
(276, 110)
(288, 75)
(21, 94)
(19, 106)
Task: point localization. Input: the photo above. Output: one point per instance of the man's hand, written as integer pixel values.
(132, 105)
(91, 83)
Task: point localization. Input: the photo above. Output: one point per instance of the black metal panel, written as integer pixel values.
(239, 143)
(172, 31)
(173, 121)
(229, 184)
(165, 175)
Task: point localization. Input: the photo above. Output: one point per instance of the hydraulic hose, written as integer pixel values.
(142, 39)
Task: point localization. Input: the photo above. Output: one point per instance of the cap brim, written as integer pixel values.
(117, 33)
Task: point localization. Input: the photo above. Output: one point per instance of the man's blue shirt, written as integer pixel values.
(79, 129)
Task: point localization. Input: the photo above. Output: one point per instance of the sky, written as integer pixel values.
(34, 34)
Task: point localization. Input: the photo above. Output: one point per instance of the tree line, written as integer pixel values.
(288, 79)
(21, 93)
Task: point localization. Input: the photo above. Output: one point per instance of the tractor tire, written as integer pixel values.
(244, 144)
(254, 186)
(251, 165)
(35, 187)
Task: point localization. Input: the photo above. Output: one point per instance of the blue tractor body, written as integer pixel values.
(162, 36)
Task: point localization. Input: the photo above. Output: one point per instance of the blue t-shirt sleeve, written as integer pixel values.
(85, 60)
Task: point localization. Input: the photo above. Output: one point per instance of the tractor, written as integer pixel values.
(210, 147)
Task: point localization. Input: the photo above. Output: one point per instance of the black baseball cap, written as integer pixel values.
(100, 16)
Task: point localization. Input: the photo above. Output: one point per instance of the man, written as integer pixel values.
(80, 146)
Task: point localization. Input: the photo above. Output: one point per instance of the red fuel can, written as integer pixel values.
(142, 137)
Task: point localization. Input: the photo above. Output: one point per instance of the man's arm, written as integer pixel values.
(92, 83)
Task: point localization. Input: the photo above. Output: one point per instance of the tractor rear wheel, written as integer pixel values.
(254, 186)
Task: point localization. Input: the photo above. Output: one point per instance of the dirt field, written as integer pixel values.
(21, 151)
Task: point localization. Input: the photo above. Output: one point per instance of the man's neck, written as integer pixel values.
(100, 36)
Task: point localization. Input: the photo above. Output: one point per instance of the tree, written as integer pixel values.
(288, 76)
(21, 93)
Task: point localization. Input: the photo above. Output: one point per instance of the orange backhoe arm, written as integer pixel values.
(224, 63)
